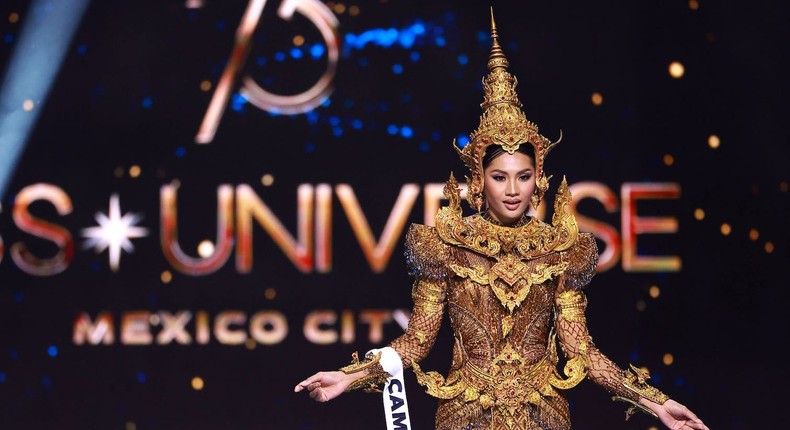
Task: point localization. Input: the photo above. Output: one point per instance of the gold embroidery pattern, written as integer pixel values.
(518, 277)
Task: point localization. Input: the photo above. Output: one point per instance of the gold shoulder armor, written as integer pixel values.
(582, 260)
(426, 253)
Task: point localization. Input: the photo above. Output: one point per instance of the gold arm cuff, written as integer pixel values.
(635, 406)
(635, 380)
(571, 305)
(375, 375)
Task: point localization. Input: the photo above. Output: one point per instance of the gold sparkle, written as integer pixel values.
(298, 40)
(783, 186)
(769, 247)
(197, 383)
(28, 105)
(597, 98)
(754, 234)
(726, 229)
(270, 293)
(166, 277)
(668, 359)
(135, 171)
(205, 85)
(13, 17)
(676, 69)
(669, 159)
(654, 291)
(353, 10)
(699, 214)
(693, 4)
(714, 141)
(267, 180)
(641, 305)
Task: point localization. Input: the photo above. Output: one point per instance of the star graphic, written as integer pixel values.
(114, 232)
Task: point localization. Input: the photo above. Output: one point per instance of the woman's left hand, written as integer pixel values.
(675, 416)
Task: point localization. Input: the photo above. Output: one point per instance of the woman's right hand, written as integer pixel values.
(325, 386)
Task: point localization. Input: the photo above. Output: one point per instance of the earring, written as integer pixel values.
(534, 200)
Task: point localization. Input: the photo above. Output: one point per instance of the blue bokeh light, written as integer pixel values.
(52, 351)
(317, 50)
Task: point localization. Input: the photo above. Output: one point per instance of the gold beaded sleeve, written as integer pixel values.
(426, 255)
(575, 339)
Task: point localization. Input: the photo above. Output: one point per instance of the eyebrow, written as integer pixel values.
(528, 169)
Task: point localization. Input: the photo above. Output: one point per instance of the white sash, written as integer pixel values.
(396, 410)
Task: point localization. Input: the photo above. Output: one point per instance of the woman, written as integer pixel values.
(512, 286)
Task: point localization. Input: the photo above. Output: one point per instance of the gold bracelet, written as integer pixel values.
(635, 380)
(635, 406)
(375, 375)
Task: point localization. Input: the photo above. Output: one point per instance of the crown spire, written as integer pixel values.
(497, 57)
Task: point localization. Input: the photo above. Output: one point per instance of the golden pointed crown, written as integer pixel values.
(503, 123)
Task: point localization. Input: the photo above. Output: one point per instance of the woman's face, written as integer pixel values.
(508, 185)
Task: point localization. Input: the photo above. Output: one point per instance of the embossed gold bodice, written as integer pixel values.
(511, 293)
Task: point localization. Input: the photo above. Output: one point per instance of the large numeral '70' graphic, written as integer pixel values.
(327, 24)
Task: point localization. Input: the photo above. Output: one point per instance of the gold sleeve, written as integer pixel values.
(426, 256)
(575, 340)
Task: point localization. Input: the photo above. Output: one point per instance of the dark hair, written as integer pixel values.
(495, 151)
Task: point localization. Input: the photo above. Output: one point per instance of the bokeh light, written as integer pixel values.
(206, 248)
(714, 141)
(676, 69)
(597, 99)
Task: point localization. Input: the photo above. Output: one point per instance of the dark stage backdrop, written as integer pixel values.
(209, 203)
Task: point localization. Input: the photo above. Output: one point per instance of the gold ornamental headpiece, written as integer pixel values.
(502, 123)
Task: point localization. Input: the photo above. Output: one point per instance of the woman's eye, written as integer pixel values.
(525, 177)
(499, 178)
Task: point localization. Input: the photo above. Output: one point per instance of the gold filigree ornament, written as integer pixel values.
(532, 240)
(502, 123)
(635, 380)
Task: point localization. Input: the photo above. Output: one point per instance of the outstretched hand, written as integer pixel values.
(677, 417)
(325, 386)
